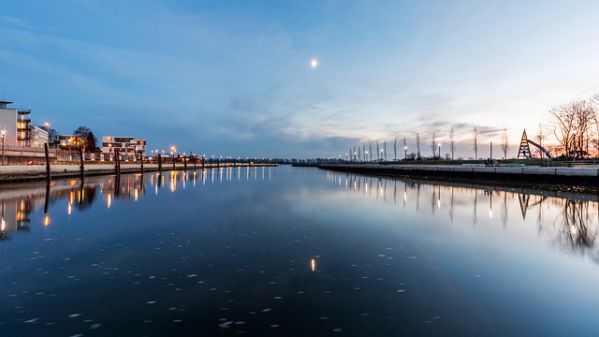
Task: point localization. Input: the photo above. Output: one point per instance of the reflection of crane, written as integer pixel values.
(524, 149)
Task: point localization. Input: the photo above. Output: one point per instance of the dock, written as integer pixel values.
(23, 173)
(586, 178)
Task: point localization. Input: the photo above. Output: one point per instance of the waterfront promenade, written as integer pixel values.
(584, 176)
(17, 173)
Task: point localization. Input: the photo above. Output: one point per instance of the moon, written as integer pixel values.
(314, 63)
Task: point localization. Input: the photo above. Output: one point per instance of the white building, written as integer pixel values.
(39, 136)
(129, 147)
(16, 125)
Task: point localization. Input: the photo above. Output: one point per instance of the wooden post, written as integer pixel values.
(184, 163)
(141, 160)
(159, 162)
(173, 162)
(48, 172)
(217, 162)
(203, 163)
(117, 164)
(234, 162)
(195, 163)
(81, 166)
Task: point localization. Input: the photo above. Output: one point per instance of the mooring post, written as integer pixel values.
(141, 160)
(81, 165)
(159, 162)
(234, 162)
(48, 172)
(203, 162)
(217, 162)
(173, 162)
(184, 163)
(117, 164)
(195, 163)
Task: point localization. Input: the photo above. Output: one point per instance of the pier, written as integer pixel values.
(583, 178)
(22, 173)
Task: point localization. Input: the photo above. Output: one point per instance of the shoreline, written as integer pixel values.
(568, 180)
(23, 174)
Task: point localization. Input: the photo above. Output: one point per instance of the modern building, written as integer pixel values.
(39, 136)
(15, 124)
(67, 141)
(129, 147)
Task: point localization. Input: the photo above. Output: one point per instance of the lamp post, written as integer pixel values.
(173, 151)
(382, 152)
(439, 146)
(3, 133)
(405, 152)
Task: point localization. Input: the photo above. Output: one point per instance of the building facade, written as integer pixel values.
(39, 136)
(129, 148)
(15, 124)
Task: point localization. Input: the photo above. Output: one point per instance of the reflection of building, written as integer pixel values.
(128, 147)
(17, 124)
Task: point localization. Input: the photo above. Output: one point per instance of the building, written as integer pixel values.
(129, 147)
(16, 124)
(39, 136)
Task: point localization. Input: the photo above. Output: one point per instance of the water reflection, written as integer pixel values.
(18, 202)
(570, 221)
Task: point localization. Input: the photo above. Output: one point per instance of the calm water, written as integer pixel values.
(294, 252)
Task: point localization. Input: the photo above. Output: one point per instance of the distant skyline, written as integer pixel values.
(238, 77)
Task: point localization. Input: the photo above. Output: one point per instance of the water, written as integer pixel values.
(294, 252)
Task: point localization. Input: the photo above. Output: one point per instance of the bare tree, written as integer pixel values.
(452, 143)
(434, 145)
(475, 145)
(418, 145)
(595, 102)
(573, 127)
(504, 143)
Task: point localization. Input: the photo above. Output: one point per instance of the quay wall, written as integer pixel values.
(19, 173)
(578, 176)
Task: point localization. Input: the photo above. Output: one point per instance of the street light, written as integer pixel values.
(3, 133)
(439, 145)
(405, 152)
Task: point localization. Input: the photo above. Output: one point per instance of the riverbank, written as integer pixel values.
(24, 173)
(567, 179)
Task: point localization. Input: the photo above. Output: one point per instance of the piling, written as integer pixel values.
(81, 165)
(141, 162)
(48, 172)
(184, 163)
(117, 162)
(159, 162)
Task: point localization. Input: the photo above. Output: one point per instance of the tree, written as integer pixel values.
(85, 138)
(572, 125)
(452, 143)
(504, 143)
(475, 145)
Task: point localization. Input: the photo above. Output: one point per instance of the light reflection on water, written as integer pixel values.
(571, 222)
(294, 251)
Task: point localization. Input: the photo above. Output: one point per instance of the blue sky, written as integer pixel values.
(232, 77)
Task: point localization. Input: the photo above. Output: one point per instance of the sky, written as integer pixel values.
(233, 77)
